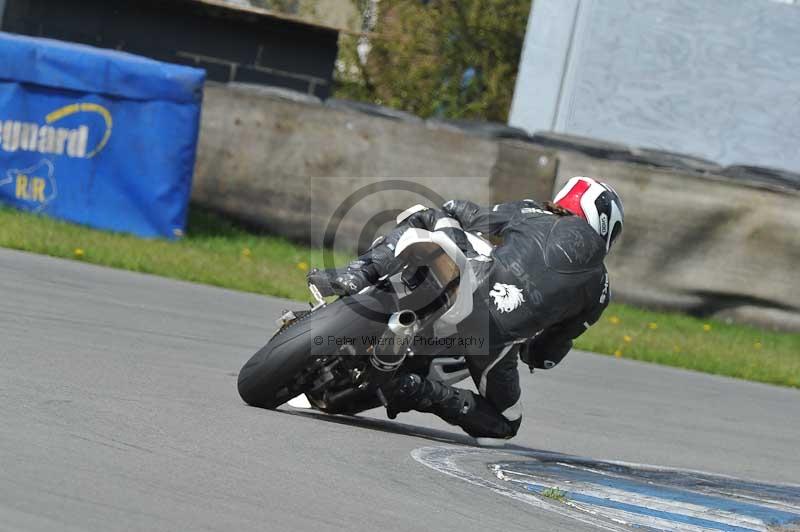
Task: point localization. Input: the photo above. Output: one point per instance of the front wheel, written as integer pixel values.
(269, 378)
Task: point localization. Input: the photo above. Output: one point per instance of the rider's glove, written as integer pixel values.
(339, 282)
(461, 210)
(543, 352)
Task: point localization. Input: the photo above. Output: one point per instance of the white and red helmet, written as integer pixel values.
(595, 202)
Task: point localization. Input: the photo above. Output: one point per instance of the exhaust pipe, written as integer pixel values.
(395, 342)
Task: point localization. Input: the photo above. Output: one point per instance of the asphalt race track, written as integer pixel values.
(119, 411)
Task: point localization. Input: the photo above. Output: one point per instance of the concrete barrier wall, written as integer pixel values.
(703, 244)
(287, 166)
(694, 242)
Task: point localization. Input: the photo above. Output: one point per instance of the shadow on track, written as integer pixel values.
(383, 425)
(395, 427)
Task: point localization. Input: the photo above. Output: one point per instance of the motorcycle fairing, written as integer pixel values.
(462, 307)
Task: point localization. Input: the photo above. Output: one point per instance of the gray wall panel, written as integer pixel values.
(716, 78)
(543, 63)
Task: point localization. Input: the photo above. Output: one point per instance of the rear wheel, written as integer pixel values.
(270, 377)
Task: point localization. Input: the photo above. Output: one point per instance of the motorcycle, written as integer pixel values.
(340, 354)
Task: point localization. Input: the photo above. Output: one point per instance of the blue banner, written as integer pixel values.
(97, 137)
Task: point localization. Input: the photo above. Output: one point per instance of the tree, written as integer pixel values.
(443, 58)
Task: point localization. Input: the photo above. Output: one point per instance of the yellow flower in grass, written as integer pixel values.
(614, 320)
(706, 327)
(246, 253)
(618, 353)
(302, 266)
(652, 326)
(757, 345)
(78, 252)
(627, 339)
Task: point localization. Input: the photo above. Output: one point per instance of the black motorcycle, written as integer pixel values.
(339, 354)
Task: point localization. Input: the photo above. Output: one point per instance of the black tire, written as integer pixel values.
(266, 378)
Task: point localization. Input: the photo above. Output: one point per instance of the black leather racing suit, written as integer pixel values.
(544, 285)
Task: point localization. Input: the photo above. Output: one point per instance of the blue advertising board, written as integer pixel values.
(97, 137)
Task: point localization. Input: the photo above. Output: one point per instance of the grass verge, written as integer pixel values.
(555, 494)
(218, 252)
(215, 251)
(702, 345)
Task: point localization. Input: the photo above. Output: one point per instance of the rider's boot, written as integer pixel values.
(356, 277)
(473, 413)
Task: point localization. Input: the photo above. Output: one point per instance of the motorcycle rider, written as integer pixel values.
(541, 287)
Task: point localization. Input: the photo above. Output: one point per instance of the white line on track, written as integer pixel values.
(619, 501)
